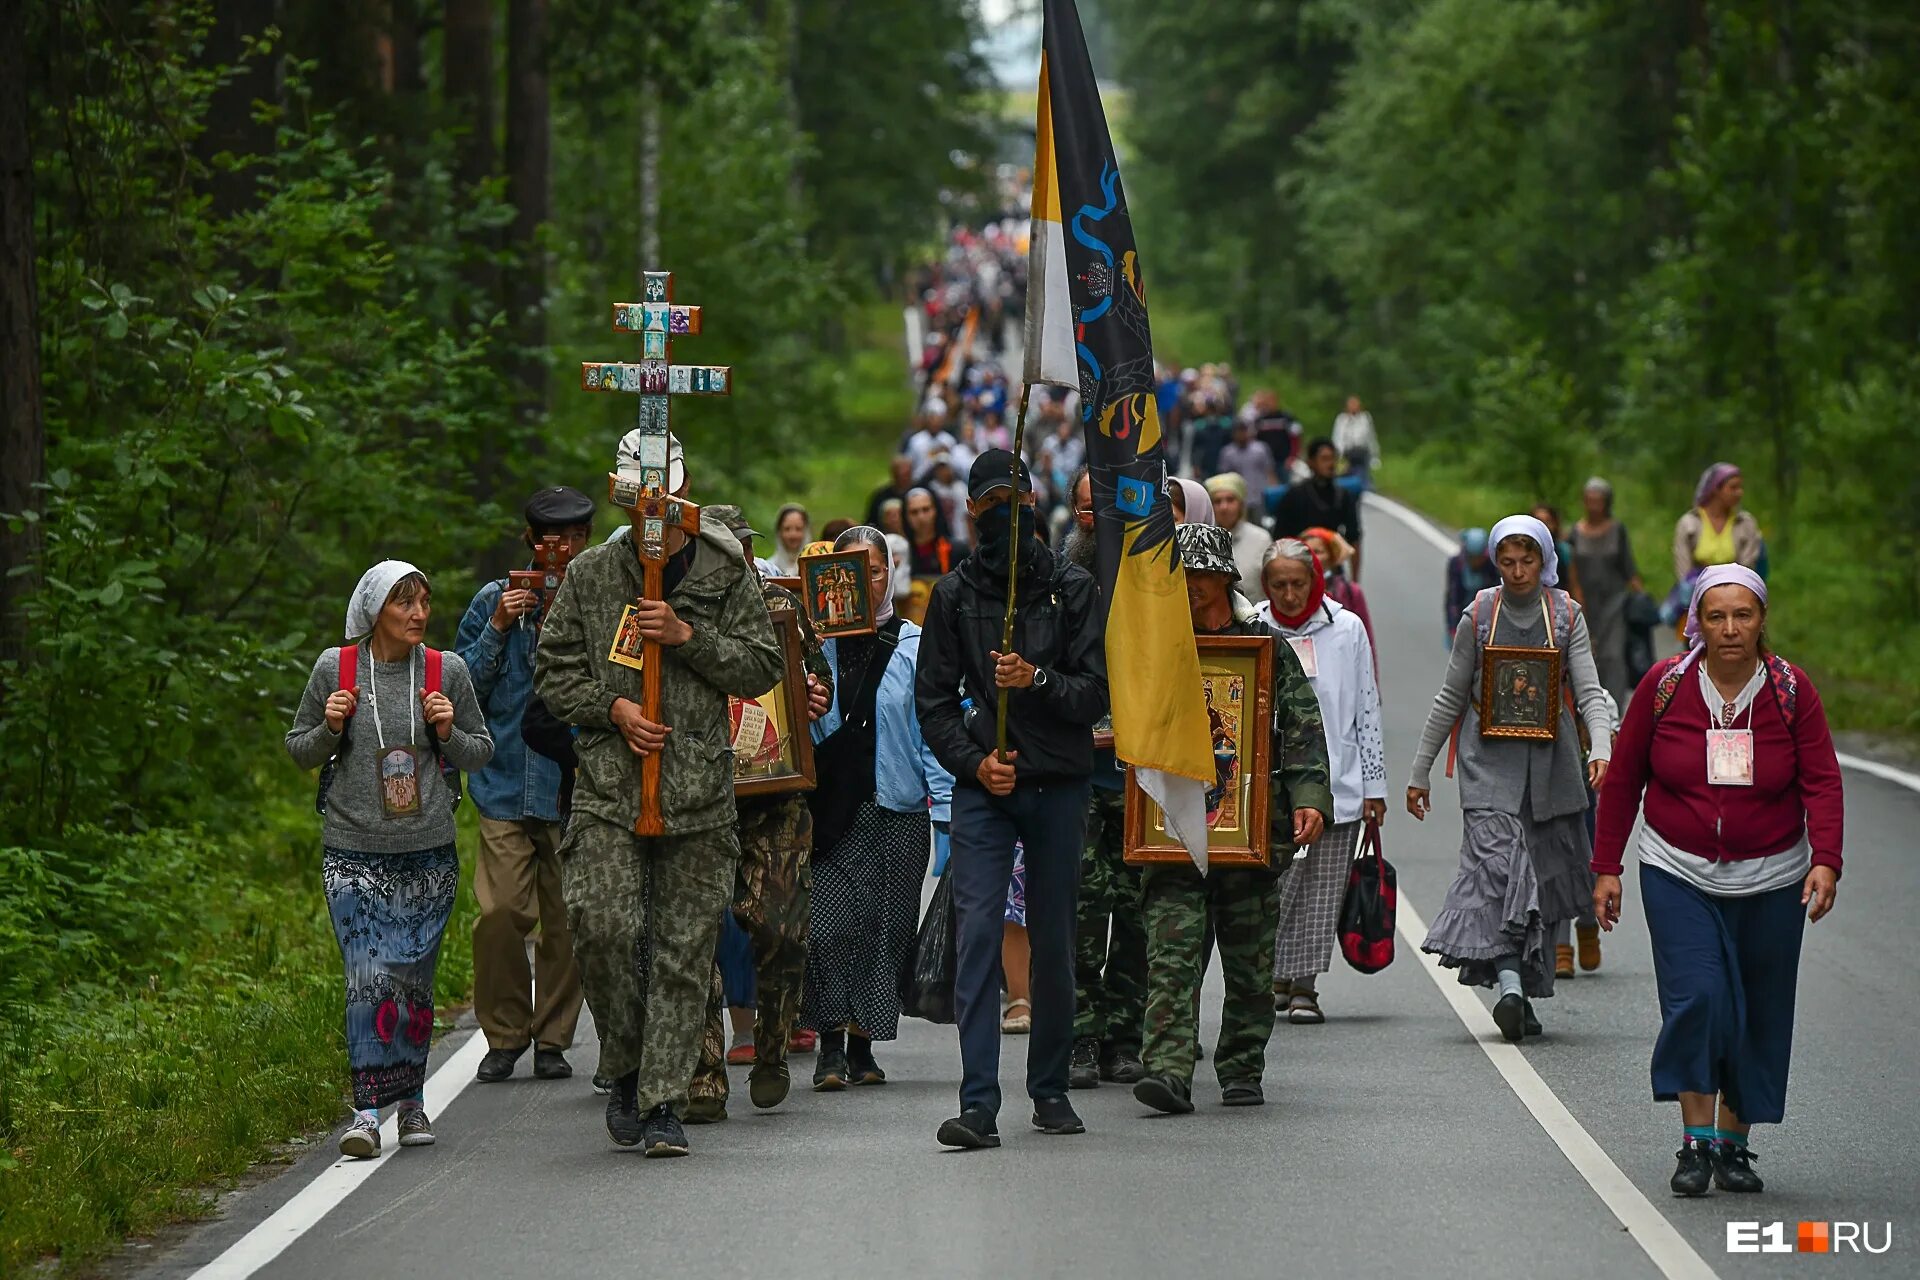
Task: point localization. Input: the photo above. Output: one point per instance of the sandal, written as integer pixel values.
(1018, 1019)
(1303, 1008)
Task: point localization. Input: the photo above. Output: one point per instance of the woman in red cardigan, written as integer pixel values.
(1730, 745)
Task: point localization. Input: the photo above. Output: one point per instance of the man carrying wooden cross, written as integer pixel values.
(646, 910)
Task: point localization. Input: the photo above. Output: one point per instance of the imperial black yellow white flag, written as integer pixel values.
(1086, 327)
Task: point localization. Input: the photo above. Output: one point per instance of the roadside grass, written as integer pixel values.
(833, 475)
(1822, 590)
(129, 1100)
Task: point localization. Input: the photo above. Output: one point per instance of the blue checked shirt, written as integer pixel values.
(516, 783)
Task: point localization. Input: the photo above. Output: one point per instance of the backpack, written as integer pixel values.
(1786, 686)
(349, 665)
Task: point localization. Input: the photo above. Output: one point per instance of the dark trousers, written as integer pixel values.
(1049, 820)
(1727, 969)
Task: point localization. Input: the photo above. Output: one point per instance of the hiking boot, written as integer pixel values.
(1056, 1116)
(1121, 1066)
(497, 1065)
(705, 1110)
(551, 1064)
(362, 1139)
(1165, 1093)
(973, 1129)
(1588, 936)
(1733, 1168)
(415, 1129)
(1084, 1071)
(1510, 1015)
(663, 1135)
(1563, 961)
(1695, 1170)
(831, 1073)
(623, 1110)
(1243, 1093)
(860, 1064)
(768, 1083)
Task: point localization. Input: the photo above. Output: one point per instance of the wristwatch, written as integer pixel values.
(1039, 677)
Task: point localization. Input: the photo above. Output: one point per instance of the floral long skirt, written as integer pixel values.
(389, 911)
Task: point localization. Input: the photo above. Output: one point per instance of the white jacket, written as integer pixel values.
(1349, 703)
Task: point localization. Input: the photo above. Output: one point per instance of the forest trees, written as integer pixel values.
(303, 283)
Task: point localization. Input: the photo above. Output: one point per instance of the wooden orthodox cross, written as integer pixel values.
(657, 320)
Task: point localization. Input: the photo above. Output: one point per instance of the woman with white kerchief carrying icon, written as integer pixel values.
(389, 721)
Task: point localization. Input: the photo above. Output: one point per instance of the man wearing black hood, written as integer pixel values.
(1056, 677)
(1319, 501)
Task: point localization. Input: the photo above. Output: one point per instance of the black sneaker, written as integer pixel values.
(861, 1067)
(974, 1129)
(1733, 1168)
(623, 1110)
(1056, 1116)
(1530, 1024)
(497, 1065)
(831, 1072)
(1084, 1071)
(551, 1064)
(1510, 1015)
(1122, 1066)
(663, 1135)
(1695, 1170)
(1243, 1093)
(1165, 1093)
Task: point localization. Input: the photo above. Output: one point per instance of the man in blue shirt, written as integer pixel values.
(516, 872)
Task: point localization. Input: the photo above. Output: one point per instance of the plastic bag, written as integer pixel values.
(1366, 914)
(926, 981)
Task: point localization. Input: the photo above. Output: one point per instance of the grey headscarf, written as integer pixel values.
(865, 535)
(370, 597)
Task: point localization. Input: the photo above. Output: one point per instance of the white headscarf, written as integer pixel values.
(1529, 527)
(364, 605)
(1199, 503)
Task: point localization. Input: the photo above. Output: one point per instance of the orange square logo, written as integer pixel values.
(1814, 1238)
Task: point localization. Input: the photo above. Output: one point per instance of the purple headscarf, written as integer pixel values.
(1720, 575)
(1711, 479)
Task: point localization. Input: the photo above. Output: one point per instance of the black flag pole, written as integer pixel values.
(1013, 567)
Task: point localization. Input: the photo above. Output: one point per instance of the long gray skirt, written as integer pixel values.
(1311, 892)
(1518, 878)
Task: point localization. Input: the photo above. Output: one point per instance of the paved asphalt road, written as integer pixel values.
(1390, 1145)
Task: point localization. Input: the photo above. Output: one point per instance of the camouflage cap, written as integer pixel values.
(1206, 548)
(733, 518)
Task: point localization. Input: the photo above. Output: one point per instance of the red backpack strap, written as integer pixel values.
(1786, 687)
(433, 670)
(349, 662)
(1668, 685)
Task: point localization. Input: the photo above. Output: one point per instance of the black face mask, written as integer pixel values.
(995, 529)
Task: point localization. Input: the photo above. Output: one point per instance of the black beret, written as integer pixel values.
(558, 507)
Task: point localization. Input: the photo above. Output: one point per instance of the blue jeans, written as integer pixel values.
(1049, 819)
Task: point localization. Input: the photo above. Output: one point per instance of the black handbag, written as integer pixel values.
(1366, 914)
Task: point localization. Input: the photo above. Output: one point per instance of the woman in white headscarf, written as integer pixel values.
(1525, 849)
(879, 789)
(393, 723)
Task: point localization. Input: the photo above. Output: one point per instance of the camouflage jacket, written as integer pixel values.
(733, 651)
(1298, 760)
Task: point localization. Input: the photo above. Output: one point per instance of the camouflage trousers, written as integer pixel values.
(771, 897)
(1110, 941)
(645, 915)
(1244, 909)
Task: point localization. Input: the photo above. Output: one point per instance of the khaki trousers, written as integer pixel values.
(516, 880)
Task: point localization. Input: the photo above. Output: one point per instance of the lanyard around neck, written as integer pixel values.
(373, 696)
(1546, 617)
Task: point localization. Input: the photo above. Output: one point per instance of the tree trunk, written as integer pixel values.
(23, 439)
(467, 68)
(230, 113)
(529, 188)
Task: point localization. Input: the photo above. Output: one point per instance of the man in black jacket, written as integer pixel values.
(1320, 501)
(1057, 682)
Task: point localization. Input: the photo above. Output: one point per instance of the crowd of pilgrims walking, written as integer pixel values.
(791, 916)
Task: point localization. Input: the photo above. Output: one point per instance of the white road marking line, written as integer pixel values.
(1425, 529)
(1657, 1238)
(337, 1181)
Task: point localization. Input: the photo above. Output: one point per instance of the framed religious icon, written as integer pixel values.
(1236, 673)
(833, 587)
(629, 646)
(772, 748)
(1519, 693)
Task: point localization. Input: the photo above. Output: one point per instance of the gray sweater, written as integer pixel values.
(354, 820)
(1499, 773)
